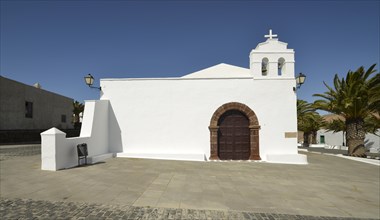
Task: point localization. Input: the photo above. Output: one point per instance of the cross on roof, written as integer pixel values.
(270, 35)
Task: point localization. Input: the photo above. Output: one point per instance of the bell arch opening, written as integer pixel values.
(253, 126)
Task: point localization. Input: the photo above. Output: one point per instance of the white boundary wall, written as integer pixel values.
(335, 140)
(59, 152)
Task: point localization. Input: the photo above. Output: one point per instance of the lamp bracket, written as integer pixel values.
(94, 87)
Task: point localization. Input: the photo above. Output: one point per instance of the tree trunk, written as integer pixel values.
(355, 136)
(76, 118)
(306, 139)
(77, 123)
(313, 137)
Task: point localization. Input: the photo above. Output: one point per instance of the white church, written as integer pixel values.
(221, 113)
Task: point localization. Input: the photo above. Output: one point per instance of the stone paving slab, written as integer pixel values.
(32, 209)
(328, 186)
(11, 151)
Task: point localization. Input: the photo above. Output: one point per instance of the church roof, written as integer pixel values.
(221, 70)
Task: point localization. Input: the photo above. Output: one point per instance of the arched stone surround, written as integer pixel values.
(253, 128)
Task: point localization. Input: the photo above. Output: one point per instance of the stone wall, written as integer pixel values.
(28, 136)
(24, 107)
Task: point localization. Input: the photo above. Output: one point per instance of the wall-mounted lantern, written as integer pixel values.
(300, 79)
(89, 79)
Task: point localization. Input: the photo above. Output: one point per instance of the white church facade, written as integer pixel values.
(223, 112)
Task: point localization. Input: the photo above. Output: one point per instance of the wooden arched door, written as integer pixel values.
(234, 136)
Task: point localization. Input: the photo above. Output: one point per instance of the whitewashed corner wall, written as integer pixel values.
(59, 152)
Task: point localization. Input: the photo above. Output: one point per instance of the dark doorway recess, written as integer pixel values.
(233, 137)
(234, 133)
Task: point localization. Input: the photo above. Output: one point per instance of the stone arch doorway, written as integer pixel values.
(234, 116)
(233, 136)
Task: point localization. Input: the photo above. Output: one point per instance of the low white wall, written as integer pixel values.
(335, 140)
(59, 152)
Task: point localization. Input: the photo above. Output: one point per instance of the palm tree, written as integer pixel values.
(336, 125)
(315, 123)
(310, 125)
(303, 108)
(355, 97)
(372, 124)
(308, 121)
(77, 109)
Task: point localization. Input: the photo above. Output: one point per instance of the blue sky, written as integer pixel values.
(57, 43)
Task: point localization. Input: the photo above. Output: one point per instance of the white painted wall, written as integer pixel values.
(59, 152)
(169, 118)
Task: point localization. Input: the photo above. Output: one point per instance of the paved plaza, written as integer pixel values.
(121, 188)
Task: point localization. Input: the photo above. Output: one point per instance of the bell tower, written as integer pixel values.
(272, 59)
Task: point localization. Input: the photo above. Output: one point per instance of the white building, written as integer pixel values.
(337, 140)
(223, 112)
